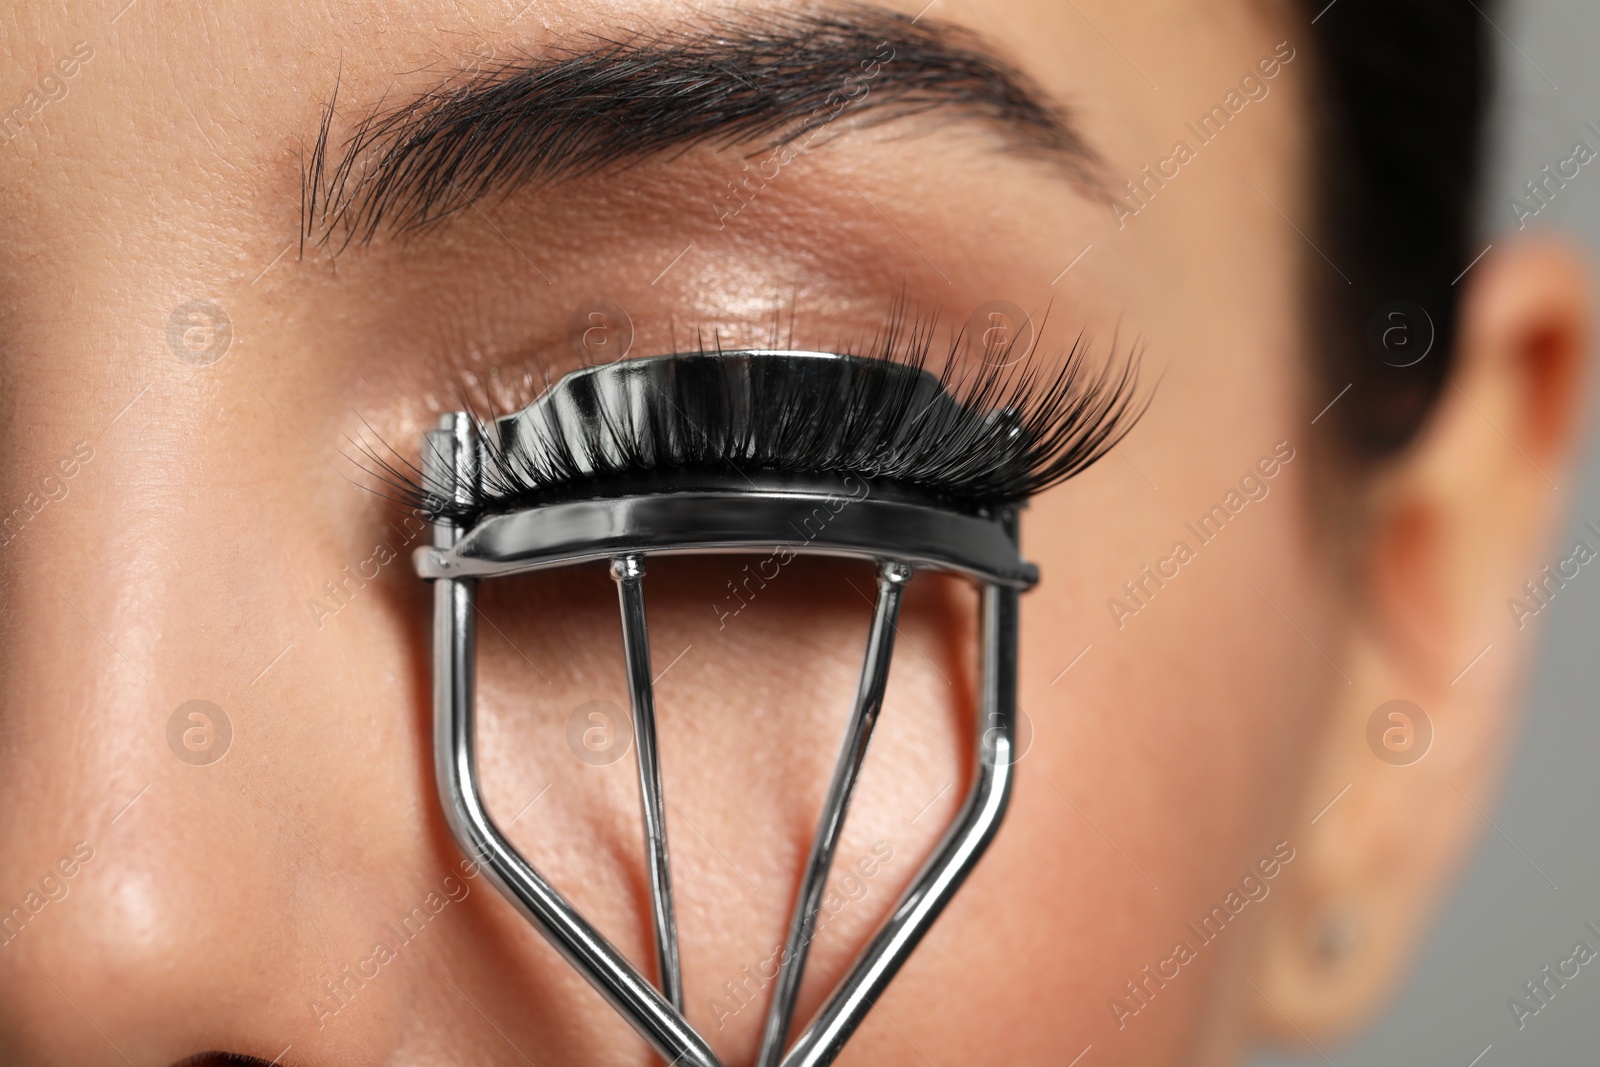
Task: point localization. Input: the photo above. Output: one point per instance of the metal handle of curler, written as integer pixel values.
(629, 574)
(892, 579)
(451, 466)
(952, 860)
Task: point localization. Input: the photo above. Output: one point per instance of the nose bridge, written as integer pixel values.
(119, 592)
(158, 842)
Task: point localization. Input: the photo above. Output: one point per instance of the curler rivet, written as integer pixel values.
(625, 567)
(895, 571)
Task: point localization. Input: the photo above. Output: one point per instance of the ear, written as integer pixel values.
(1442, 617)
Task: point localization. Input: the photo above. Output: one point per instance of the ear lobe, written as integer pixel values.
(1454, 527)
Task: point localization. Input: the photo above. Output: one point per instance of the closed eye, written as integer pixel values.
(961, 433)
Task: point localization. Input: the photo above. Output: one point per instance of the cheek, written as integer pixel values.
(1160, 758)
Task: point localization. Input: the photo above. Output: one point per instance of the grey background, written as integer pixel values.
(1505, 922)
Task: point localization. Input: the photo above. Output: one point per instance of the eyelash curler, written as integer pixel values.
(734, 453)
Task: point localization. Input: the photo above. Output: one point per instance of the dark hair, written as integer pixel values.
(1398, 135)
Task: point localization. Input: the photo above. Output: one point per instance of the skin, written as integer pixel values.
(1173, 750)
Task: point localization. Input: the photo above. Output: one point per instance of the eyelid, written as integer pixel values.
(972, 433)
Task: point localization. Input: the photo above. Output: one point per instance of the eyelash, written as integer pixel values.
(1056, 422)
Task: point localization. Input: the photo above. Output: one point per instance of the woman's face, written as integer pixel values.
(185, 369)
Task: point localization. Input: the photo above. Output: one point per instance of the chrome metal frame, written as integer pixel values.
(901, 536)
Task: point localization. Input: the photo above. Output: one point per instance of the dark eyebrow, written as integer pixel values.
(595, 104)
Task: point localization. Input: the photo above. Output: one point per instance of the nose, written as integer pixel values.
(170, 883)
